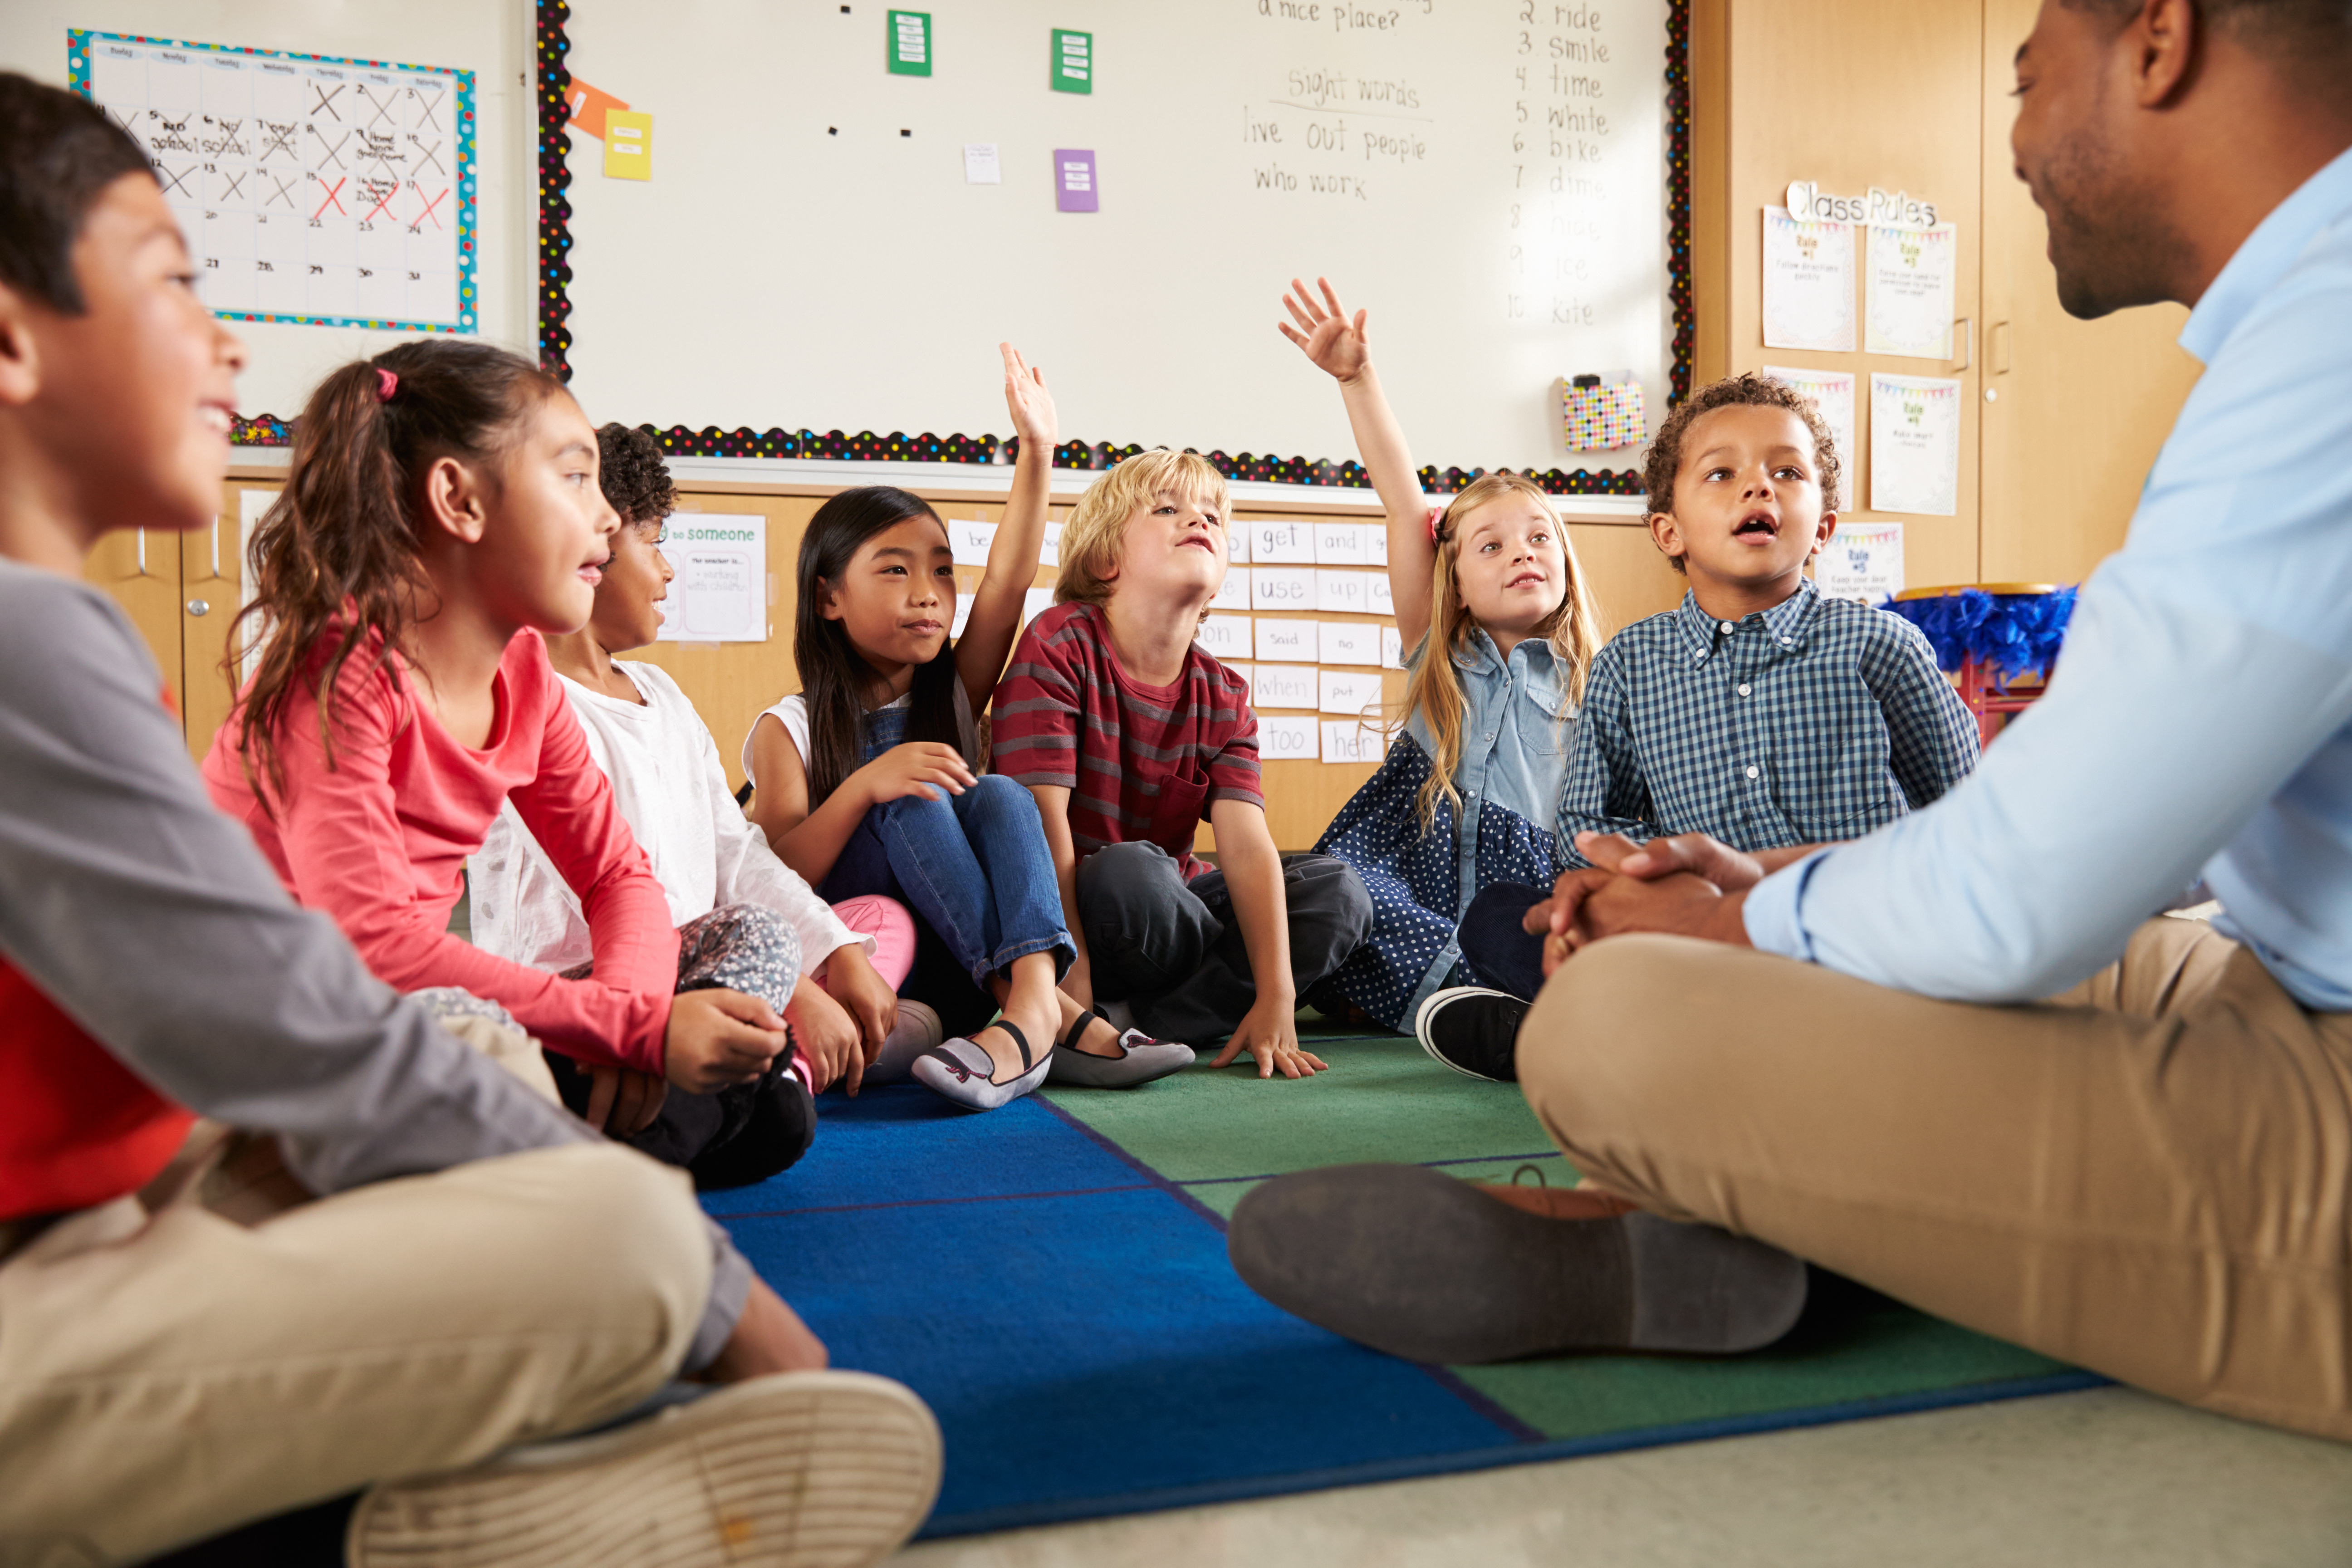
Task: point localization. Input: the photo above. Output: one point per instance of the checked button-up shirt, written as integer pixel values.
(1816, 719)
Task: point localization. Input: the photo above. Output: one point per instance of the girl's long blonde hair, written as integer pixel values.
(1434, 689)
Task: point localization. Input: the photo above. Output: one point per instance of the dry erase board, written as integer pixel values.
(820, 246)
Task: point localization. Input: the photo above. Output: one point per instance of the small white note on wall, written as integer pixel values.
(1226, 638)
(1379, 597)
(1282, 587)
(962, 614)
(1237, 549)
(1915, 444)
(1282, 685)
(1281, 544)
(1910, 300)
(1377, 543)
(1391, 649)
(1049, 553)
(720, 591)
(1349, 593)
(1289, 641)
(1350, 642)
(1808, 282)
(1347, 692)
(1287, 737)
(1350, 741)
(1862, 561)
(980, 166)
(1035, 603)
(1342, 544)
(1234, 593)
(968, 540)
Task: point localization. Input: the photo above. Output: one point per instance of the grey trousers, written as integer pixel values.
(1173, 950)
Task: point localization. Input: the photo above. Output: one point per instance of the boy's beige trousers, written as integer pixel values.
(2147, 1177)
(200, 1355)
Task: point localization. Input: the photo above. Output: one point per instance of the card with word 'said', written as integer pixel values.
(327, 192)
(628, 144)
(1598, 418)
(1073, 61)
(911, 43)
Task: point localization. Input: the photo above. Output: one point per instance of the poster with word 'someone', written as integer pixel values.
(311, 189)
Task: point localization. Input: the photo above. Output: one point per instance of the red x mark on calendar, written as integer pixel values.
(427, 211)
(331, 201)
(381, 204)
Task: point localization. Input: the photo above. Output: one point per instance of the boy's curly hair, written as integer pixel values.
(636, 480)
(1663, 464)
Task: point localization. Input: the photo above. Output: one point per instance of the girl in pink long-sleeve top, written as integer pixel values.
(442, 512)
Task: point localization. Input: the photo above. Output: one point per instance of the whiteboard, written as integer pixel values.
(1488, 177)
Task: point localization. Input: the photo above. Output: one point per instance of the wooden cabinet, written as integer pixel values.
(2060, 417)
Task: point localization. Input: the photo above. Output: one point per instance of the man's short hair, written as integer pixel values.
(58, 152)
(2291, 31)
(634, 479)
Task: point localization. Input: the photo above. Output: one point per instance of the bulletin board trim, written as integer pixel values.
(77, 74)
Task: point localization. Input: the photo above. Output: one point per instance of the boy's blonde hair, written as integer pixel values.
(1097, 529)
(1435, 688)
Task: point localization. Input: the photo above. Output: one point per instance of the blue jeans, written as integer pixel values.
(973, 866)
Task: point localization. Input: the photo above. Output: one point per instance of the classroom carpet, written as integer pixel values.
(1052, 1278)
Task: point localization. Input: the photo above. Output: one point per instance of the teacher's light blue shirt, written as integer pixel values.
(2200, 724)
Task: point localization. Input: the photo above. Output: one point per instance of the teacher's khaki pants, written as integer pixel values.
(2147, 1177)
(173, 1367)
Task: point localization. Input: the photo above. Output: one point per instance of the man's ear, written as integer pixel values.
(2165, 41)
(453, 502)
(20, 354)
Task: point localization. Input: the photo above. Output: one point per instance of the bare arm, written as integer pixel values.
(1252, 869)
(995, 618)
(1054, 811)
(1342, 348)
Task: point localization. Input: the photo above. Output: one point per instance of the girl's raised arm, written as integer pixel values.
(995, 619)
(1341, 347)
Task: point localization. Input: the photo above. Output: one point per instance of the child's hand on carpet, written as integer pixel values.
(827, 1037)
(1269, 1031)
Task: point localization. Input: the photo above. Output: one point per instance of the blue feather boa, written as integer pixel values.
(2011, 633)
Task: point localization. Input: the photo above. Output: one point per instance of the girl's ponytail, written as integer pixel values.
(336, 556)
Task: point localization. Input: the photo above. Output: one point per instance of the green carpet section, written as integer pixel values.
(1217, 1132)
(1381, 1100)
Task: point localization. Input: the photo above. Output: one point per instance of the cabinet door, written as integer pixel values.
(2073, 410)
(141, 568)
(212, 577)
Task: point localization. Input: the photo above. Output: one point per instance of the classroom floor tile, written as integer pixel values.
(2082, 1480)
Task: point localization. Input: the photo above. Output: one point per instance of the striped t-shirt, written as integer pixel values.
(1141, 763)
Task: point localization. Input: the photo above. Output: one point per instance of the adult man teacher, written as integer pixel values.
(1837, 1051)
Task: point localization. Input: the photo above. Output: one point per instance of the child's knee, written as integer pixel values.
(1332, 899)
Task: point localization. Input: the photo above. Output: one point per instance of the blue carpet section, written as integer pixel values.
(1074, 1323)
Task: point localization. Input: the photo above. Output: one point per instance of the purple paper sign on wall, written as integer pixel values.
(1074, 181)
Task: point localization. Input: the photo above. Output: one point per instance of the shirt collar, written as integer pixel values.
(1478, 653)
(2276, 244)
(1784, 622)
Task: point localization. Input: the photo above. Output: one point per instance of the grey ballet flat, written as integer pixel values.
(1141, 1058)
(963, 1071)
(917, 1030)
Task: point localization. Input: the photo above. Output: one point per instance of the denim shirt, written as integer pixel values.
(1517, 724)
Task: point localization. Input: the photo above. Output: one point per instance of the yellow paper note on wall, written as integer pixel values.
(628, 144)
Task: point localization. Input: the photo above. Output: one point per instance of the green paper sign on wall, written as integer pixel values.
(911, 43)
(1073, 61)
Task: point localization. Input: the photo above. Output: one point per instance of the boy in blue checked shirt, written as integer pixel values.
(1759, 712)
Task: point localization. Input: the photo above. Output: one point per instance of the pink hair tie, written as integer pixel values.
(387, 383)
(1435, 513)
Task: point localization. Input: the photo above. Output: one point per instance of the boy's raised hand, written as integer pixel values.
(1337, 344)
(1269, 1032)
(1028, 401)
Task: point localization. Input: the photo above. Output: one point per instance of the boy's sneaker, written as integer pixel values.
(1473, 1030)
(796, 1470)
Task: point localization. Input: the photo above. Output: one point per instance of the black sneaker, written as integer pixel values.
(1473, 1030)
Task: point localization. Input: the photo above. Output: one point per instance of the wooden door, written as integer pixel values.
(141, 568)
(212, 576)
(2073, 410)
(1850, 96)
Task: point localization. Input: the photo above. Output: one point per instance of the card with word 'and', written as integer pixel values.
(1224, 637)
(1288, 641)
(1234, 593)
(969, 540)
(1287, 737)
(1281, 544)
(1283, 685)
(1342, 544)
(1347, 692)
(1350, 642)
(1282, 587)
(1351, 740)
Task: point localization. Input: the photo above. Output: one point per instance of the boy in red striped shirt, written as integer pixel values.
(1130, 735)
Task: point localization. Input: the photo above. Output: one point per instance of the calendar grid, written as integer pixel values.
(311, 189)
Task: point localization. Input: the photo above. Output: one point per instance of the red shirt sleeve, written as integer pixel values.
(342, 848)
(1233, 771)
(1034, 720)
